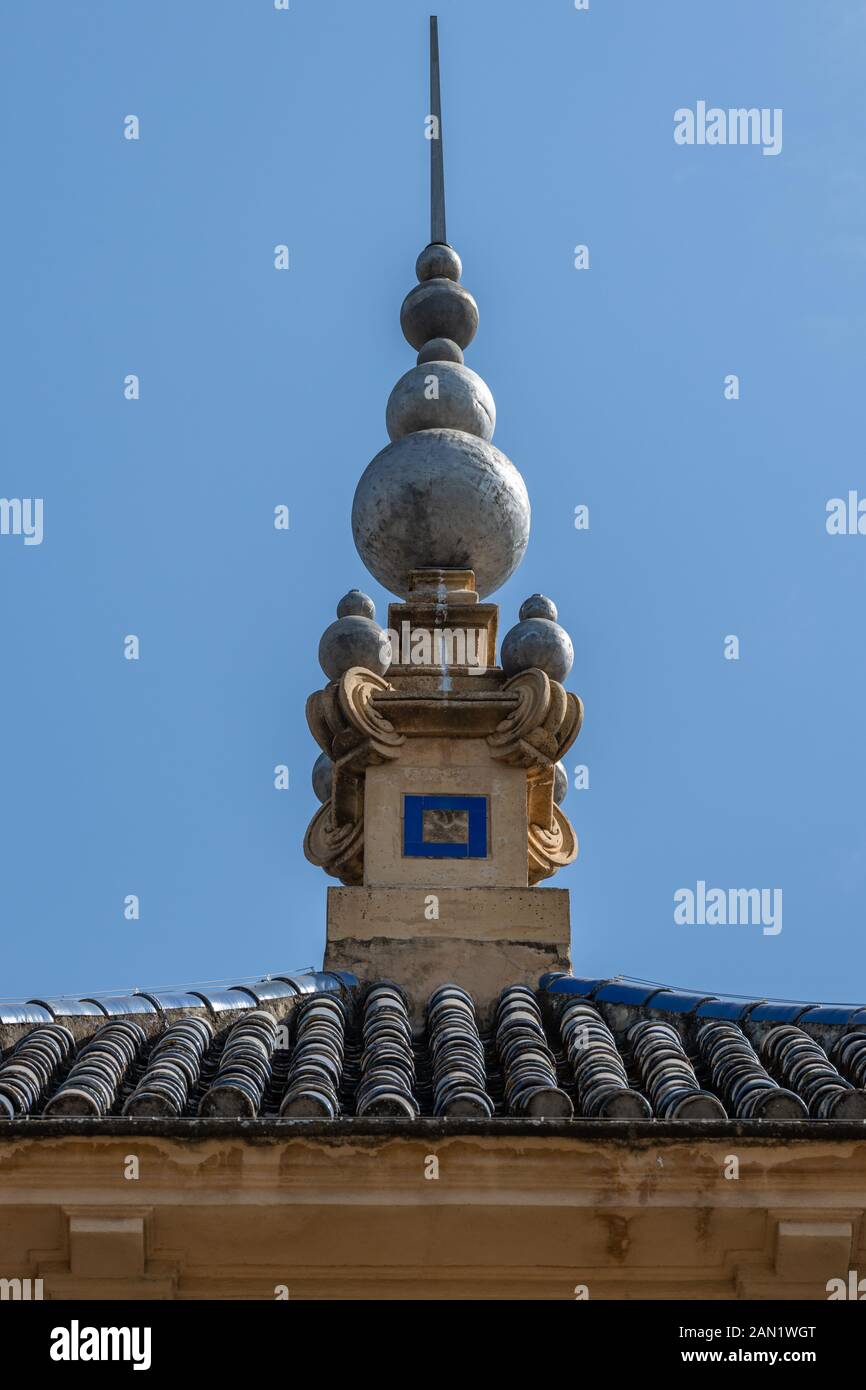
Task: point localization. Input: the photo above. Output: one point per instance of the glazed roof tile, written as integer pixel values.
(324, 1047)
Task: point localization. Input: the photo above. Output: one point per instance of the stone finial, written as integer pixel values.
(538, 642)
(438, 261)
(354, 639)
(440, 350)
(440, 496)
(419, 764)
(440, 394)
(439, 308)
(538, 606)
(356, 604)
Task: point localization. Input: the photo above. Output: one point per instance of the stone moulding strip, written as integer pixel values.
(525, 915)
(600, 1131)
(457, 715)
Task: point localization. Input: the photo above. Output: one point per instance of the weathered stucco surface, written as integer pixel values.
(531, 1213)
(485, 938)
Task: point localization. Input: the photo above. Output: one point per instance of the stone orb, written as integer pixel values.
(537, 644)
(463, 402)
(560, 783)
(356, 604)
(323, 777)
(538, 606)
(441, 499)
(439, 308)
(440, 350)
(438, 261)
(354, 641)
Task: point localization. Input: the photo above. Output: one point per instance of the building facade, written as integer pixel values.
(446, 1109)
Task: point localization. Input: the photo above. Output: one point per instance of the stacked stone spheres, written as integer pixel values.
(441, 519)
(355, 639)
(440, 495)
(536, 642)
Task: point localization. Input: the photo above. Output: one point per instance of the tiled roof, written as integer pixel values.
(325, 1047)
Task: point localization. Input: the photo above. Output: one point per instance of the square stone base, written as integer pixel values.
(481, 938)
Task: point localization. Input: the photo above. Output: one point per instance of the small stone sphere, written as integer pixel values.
(440, 350)
(560, 783)
(354, 641)
(438, 261)
(439, 308)
(462, 401)
(441, 499)
(537, 644)
(537, 606)
(323, 777)
(356, 604)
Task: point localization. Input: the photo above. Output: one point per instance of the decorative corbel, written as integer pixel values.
(342, 718)
(338, 849)
(542, 726)
(551, 848)
(535, 735)
(347, 726)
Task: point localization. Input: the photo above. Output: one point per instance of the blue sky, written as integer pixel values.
(258, 387)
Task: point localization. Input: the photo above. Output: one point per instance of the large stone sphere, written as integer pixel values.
(323, 777)
(438, 260)
(537, 644)
(354, 641)
(441, 499)
(439, 308)
(462, 401)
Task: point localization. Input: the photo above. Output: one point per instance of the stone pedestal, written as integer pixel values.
(434, 767)
(442, 817)
(442, 630)
(484, 938)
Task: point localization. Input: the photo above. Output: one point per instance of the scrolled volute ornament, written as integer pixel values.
(543, 724)
(338, 849)
(551, 849)
(343, 716)
(323, 717)
(357, 692)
